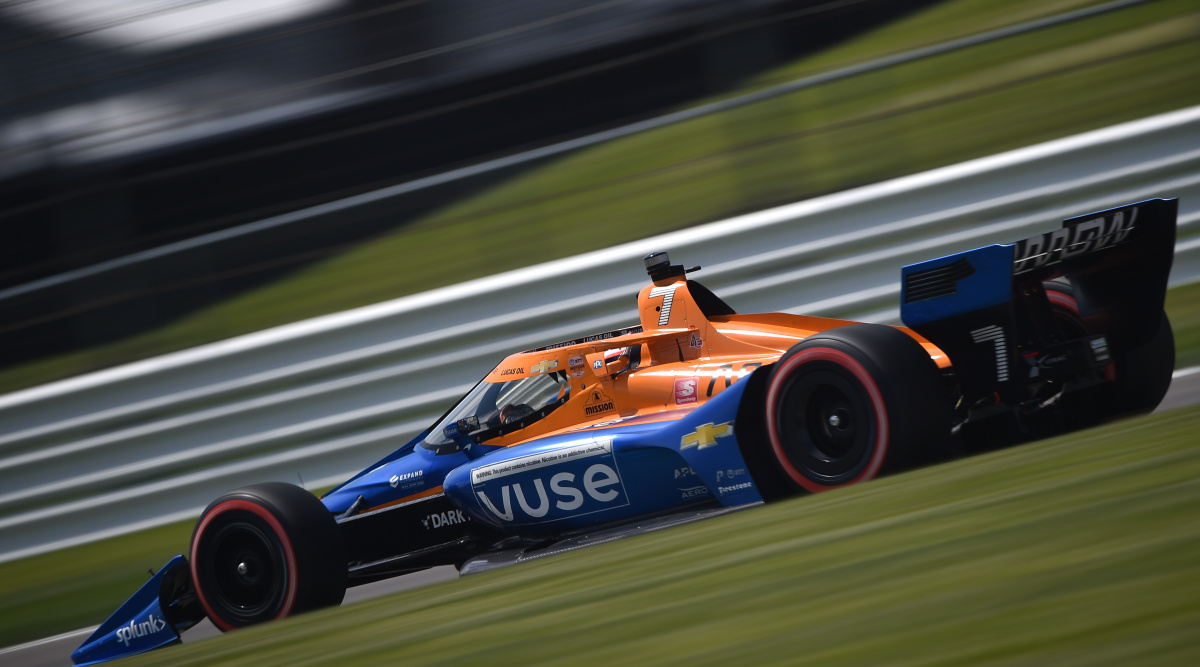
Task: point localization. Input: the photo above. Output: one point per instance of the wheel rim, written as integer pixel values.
(244, 570)
(826, 426)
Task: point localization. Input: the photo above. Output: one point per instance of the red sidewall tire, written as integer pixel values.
(1062, 301)
(775, 390)
(1141, 375)
(289, 555)
(264, 552)
(846, 405)
(1065, 307)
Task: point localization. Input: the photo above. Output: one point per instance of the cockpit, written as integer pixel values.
(498, 408)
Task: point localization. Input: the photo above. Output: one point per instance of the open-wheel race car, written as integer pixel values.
(696, 411)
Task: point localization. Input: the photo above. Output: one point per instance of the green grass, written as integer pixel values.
(74, 588)
(1076, 550)
(1052, 83)
(1183, 309)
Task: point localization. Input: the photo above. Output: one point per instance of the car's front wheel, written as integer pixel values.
(264, 552)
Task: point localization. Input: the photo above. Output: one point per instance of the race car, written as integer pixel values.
(698, 410)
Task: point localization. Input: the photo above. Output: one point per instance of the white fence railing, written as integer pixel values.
(153, 441)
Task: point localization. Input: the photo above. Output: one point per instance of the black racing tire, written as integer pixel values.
(1065, 308)
(1081, 407)
(848, 404)
(1143, 374)
(264, 552)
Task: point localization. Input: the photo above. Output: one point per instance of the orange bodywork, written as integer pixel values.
(683, 359)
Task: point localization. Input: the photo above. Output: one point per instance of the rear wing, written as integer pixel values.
(982, 305)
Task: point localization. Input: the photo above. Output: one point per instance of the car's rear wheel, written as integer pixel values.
(1065, 309)
(264, 552)
(845, 405)
(1143, 373)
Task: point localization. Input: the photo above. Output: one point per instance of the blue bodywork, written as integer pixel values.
(413, 471)
(609, 472)
(604, 473)
(987, 282)
(141, 624)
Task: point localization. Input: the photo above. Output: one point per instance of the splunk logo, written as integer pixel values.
(577, 479)
(134, 630)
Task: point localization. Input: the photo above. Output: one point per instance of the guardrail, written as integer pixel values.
(153, 441)
(342, 206)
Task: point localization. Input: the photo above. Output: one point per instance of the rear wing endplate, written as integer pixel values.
(978, 306)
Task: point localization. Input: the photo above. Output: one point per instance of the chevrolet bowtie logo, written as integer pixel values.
(705, 435)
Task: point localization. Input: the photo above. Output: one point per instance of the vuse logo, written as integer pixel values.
(571, 481)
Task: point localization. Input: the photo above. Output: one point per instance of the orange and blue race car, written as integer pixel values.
(695, 411)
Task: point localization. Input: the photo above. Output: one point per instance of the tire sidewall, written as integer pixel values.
(300, 528)
(1143, 374)
(828, 357)
(223, 514)
(909, 402)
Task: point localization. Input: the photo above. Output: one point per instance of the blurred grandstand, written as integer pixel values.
(129, 124)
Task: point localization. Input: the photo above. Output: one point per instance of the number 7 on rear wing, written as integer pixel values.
(1057, 324)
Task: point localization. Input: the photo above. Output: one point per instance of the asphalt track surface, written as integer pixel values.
(55, 651)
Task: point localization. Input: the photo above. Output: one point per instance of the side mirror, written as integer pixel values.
(461, 427)
(460, 431)
(603, 369)
(595, 360)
